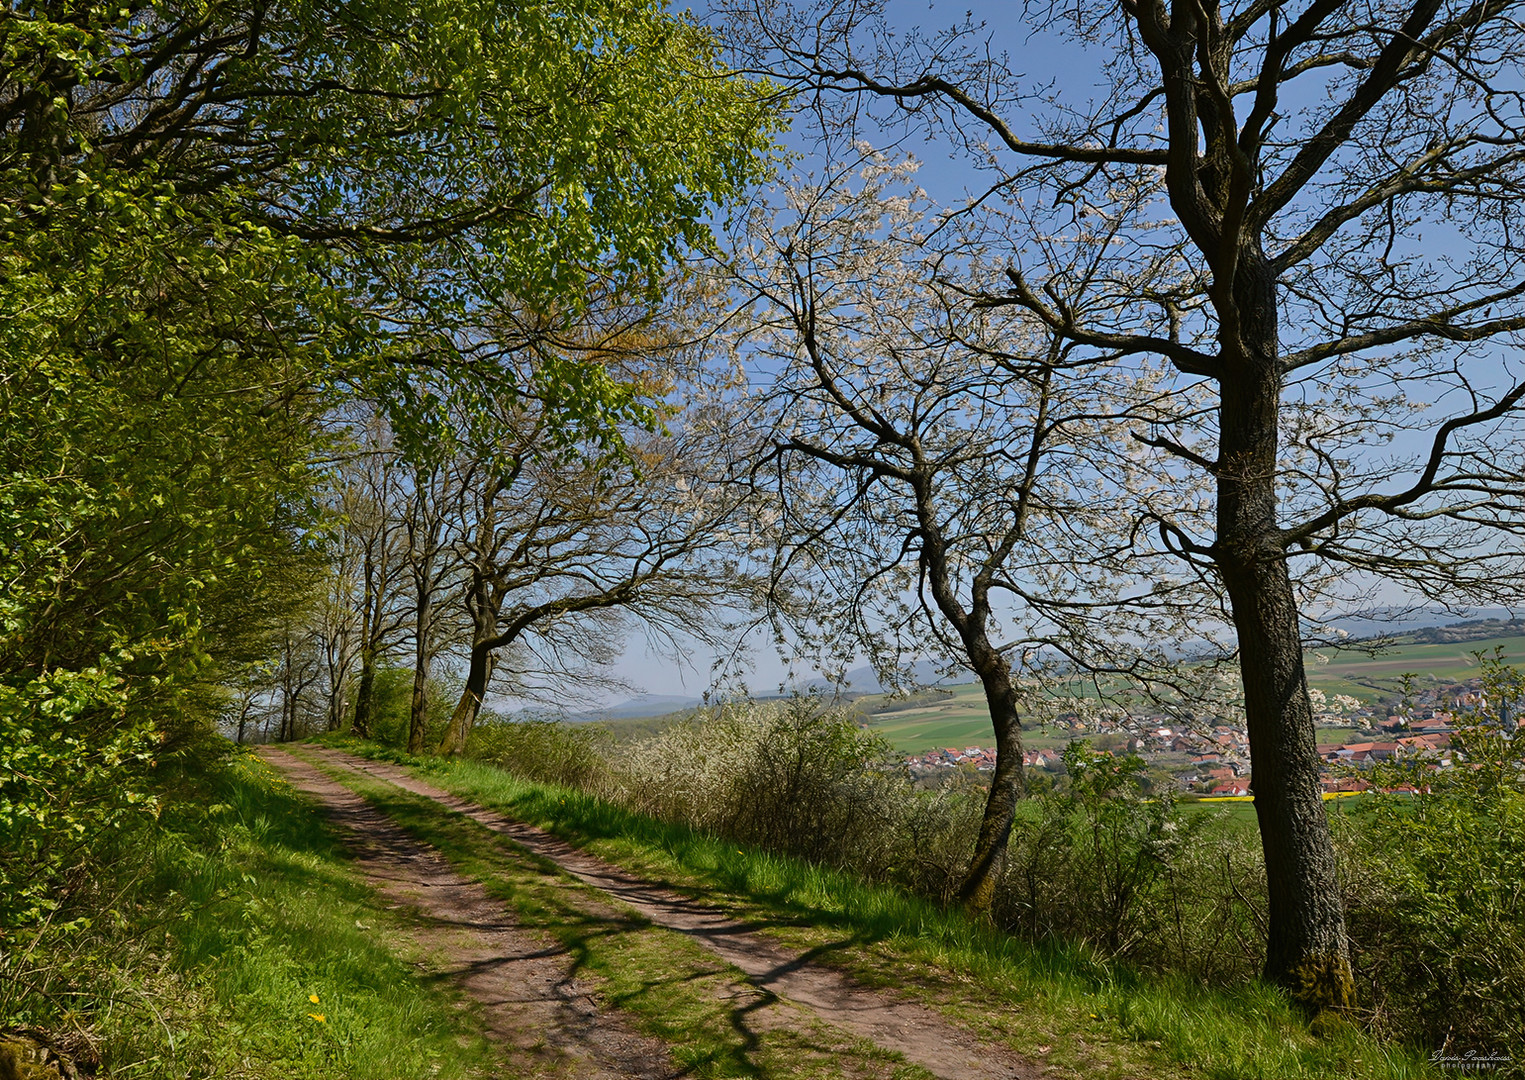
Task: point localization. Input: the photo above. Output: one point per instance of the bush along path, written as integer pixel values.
(788, 1014)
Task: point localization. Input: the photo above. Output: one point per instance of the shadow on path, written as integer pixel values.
(779, 976)
(532, 1003)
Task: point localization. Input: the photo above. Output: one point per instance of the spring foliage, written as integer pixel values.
(216, 222)
(1436, 896)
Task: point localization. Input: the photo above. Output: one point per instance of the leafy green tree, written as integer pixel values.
(216, 220)
(154, 511)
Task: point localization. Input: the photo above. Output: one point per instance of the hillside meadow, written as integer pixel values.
(960, 717)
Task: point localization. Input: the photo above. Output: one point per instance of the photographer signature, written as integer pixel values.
(1470, 1061)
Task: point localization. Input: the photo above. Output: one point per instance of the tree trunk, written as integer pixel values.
(466, 710)
(1308, 951)
(418, 705)
(365, 695)
(483, 604)
(370, 615)
(1008, 783)
(338, 704)
(288, 697)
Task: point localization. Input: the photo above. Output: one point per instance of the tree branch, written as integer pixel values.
(1392, 504)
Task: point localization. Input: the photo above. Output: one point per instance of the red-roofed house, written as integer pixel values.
(1347, 783)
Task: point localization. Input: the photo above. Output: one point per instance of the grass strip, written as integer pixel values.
(668, 985)
(253, 949)
(1067, 1006)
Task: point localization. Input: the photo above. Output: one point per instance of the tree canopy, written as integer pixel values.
(1315, 214)
(216, 221)
(941, 480)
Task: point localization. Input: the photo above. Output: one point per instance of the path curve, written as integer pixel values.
(917, 1032)
(545, 1019)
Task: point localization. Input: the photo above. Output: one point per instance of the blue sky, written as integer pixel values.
(947, 174)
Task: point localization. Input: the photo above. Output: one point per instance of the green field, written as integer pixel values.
(960, 719)
(1370, 677)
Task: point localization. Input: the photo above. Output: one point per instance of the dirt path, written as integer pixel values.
(532, 1004)
(913, 1030)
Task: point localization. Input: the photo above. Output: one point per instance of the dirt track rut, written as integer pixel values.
(789, 979)
(533, 1007)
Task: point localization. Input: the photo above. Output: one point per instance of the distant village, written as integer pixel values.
(1214, 760)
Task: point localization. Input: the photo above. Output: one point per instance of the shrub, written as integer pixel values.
(71, 774)
(1435, 899)
(1140, 879)
(570, 755)
(799, 778)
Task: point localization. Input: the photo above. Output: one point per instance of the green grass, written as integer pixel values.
(669, 985)
(209, 966)
(1080, 1014)
(962, 719)
(959, 720)
(1239, 815)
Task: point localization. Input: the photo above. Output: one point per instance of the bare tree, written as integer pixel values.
(944, 480)
(335, 632)
(432, 570)
(561, 548)
(1344, 183)
(298, 669)
(372, 496)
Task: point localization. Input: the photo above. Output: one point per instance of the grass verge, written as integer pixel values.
(249, 948)
(666, 984)
(1068, 1007)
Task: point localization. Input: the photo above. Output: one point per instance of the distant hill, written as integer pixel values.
(1409, 625)
(860, 681)
(639, 707)
(1476, 630)
(864, 680)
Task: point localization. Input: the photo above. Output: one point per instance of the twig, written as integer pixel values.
(1260, 924)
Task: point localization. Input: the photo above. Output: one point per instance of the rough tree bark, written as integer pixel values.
(1307, 948)
(426, 556)
(418, 703)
